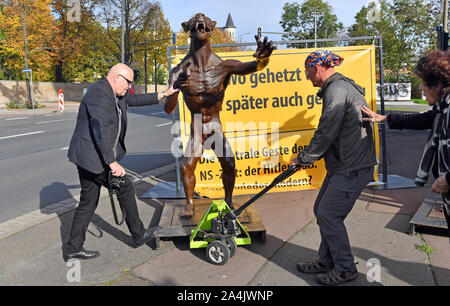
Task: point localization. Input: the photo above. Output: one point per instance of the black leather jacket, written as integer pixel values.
(344, 141)
(418, 121)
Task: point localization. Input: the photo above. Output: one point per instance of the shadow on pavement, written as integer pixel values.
(98, 226)
(65, 219)
(146, 161)
(271, 251)
(292, 254)
(151, 111)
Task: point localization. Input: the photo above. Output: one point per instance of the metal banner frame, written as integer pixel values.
(175, 190)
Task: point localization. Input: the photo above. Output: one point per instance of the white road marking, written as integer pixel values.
(167, 123)
(51, 121)
(65, 148)
(157, 113)
(19, 135)
(16, 118)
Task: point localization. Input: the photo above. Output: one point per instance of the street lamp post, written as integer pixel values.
(28, 70)
(122, 38)
(24, 29)
(239, 37)
(315, 29)
(145, 69)
(240, 41)
(156, 77)
(445, 14)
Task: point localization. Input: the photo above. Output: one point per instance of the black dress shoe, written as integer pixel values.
(149, 234)
(83, 254)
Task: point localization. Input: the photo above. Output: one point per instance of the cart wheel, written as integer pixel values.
(218, 253)
(232, 245)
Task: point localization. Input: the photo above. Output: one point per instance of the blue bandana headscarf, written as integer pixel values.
(323, 57)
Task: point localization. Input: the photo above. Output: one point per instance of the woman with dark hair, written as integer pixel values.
(434, 71)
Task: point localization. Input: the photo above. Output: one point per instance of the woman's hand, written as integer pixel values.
(373, 117)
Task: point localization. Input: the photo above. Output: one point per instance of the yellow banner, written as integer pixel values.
(270, 116)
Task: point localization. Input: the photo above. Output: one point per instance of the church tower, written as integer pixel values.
(230, 28)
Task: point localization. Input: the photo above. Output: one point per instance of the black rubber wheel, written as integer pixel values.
(218, 253)
(232, 245)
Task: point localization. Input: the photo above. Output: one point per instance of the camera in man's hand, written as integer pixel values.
(115, 182)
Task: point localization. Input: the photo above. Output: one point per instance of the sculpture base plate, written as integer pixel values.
(175, 226)
(430, 214)
(393, 182)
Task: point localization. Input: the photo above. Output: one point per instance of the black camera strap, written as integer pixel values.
(113, 205)
(110, 189)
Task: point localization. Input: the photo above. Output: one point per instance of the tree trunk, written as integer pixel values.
(59, 78)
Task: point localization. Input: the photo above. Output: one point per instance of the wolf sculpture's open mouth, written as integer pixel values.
(201, 27)
(199, 24)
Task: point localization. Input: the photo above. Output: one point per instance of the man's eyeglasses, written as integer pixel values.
(128, 81)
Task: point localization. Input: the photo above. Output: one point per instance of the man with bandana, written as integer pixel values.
(346, 143)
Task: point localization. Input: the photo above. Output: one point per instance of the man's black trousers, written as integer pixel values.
(334, 202)
(89, 197)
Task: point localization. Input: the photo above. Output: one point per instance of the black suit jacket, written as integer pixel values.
(91, 146)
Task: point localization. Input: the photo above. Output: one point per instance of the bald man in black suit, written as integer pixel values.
(97, 146)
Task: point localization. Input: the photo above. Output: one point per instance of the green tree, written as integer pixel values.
(141, 19)
(79, 44)
(405, 28)
(437, 11)
(151, 46)
(26, 26)
(3, 57)
(147, 31)
(92, 60)
(218, 37)
(302, 21)
(69, 36)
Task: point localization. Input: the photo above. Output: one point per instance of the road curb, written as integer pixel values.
(38, 216)
(50, 108)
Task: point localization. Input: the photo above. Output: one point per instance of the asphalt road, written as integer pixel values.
(35, 171)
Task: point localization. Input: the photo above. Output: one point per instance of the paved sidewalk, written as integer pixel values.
(47, 108)
(293, 235)
(378, 228)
